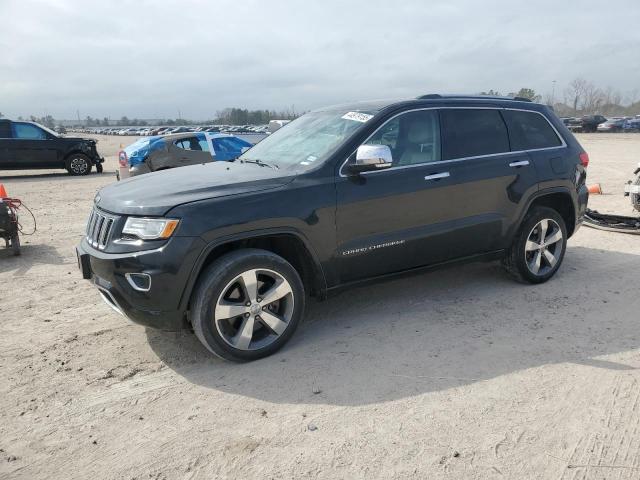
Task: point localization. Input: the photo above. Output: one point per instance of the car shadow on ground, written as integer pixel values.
(434, 331)
(29, 176)
(31, 255)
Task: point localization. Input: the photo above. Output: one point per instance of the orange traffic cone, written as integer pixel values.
(3, 192)
(595, 189)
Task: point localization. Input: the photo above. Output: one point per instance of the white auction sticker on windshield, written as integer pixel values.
(357, 116)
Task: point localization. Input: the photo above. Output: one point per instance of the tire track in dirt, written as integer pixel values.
(613, 450)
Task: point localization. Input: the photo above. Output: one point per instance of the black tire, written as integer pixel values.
(78, 164)
(635, 197)
(99, 168)
(15, 244)
(515, 260)
(210, 288)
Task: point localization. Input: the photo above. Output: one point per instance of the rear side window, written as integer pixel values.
(530, 130)
(472, 132)
(192, 143)
(5, 130)
(26, 131)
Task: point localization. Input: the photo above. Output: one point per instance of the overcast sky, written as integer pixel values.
(150, 59)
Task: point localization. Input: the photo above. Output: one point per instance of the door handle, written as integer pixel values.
(521, 163)
(437, 176)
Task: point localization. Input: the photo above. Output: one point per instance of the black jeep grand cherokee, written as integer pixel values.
(27, 145)
(339, 196)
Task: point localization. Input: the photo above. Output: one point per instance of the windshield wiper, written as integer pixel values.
(261, 163)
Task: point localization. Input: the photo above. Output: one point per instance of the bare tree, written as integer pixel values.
(574, 93)
(632, 97)
(593, 98)
(611, 101)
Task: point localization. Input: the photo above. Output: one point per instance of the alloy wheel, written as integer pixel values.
(544, 247)
(254, 309)
(78, 165)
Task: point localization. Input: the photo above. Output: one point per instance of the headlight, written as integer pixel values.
(149, 228)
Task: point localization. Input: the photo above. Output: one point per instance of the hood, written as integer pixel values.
(154, 194)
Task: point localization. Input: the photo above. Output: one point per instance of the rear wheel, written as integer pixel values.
(247, 305)
(539, 248)
(78, 164)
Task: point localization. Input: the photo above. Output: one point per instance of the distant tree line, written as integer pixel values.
(240, 116)
(48, 121)
(582, 97)
(228, 116)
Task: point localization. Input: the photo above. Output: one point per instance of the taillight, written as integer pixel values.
(122, 158)
(584, 159)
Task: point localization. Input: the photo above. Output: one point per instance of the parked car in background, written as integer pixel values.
(276, 125)
(178, 150)
(613, 125)
(27, 145)
(632, 125)
(586, 123)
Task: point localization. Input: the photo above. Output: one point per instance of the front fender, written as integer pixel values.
(252, 234)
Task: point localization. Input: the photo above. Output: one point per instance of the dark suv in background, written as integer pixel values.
(29, 145)
(339, 196)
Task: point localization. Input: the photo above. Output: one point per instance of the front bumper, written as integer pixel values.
(169, 268)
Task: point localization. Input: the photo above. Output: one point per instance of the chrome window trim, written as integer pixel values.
(441, 162)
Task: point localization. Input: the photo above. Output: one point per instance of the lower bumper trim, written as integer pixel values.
(109, 300)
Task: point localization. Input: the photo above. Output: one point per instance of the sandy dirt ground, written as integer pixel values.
(459, 373)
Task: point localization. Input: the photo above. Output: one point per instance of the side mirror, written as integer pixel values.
(371, 158)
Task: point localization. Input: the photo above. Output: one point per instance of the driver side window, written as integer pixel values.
(27, 131)
(413, 138)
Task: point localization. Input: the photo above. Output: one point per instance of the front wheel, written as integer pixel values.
(78, 164)
(539, 247)
(15, 244)
(635, 197)
(247, 305)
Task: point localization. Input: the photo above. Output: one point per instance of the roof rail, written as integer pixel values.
(432, 96)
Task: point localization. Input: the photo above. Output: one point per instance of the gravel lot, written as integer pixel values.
(458, 373)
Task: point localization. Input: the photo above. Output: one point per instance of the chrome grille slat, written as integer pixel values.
(99, 228)
(93, 225)
(90, 224)
(98, 231)
(103, 239)
(86, 230)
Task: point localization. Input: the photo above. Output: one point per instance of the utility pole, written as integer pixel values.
(553, 93)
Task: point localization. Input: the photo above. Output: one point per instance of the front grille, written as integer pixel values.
(99, 229)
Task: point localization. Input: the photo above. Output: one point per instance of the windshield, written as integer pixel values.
(55, 134)
(307, 140)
